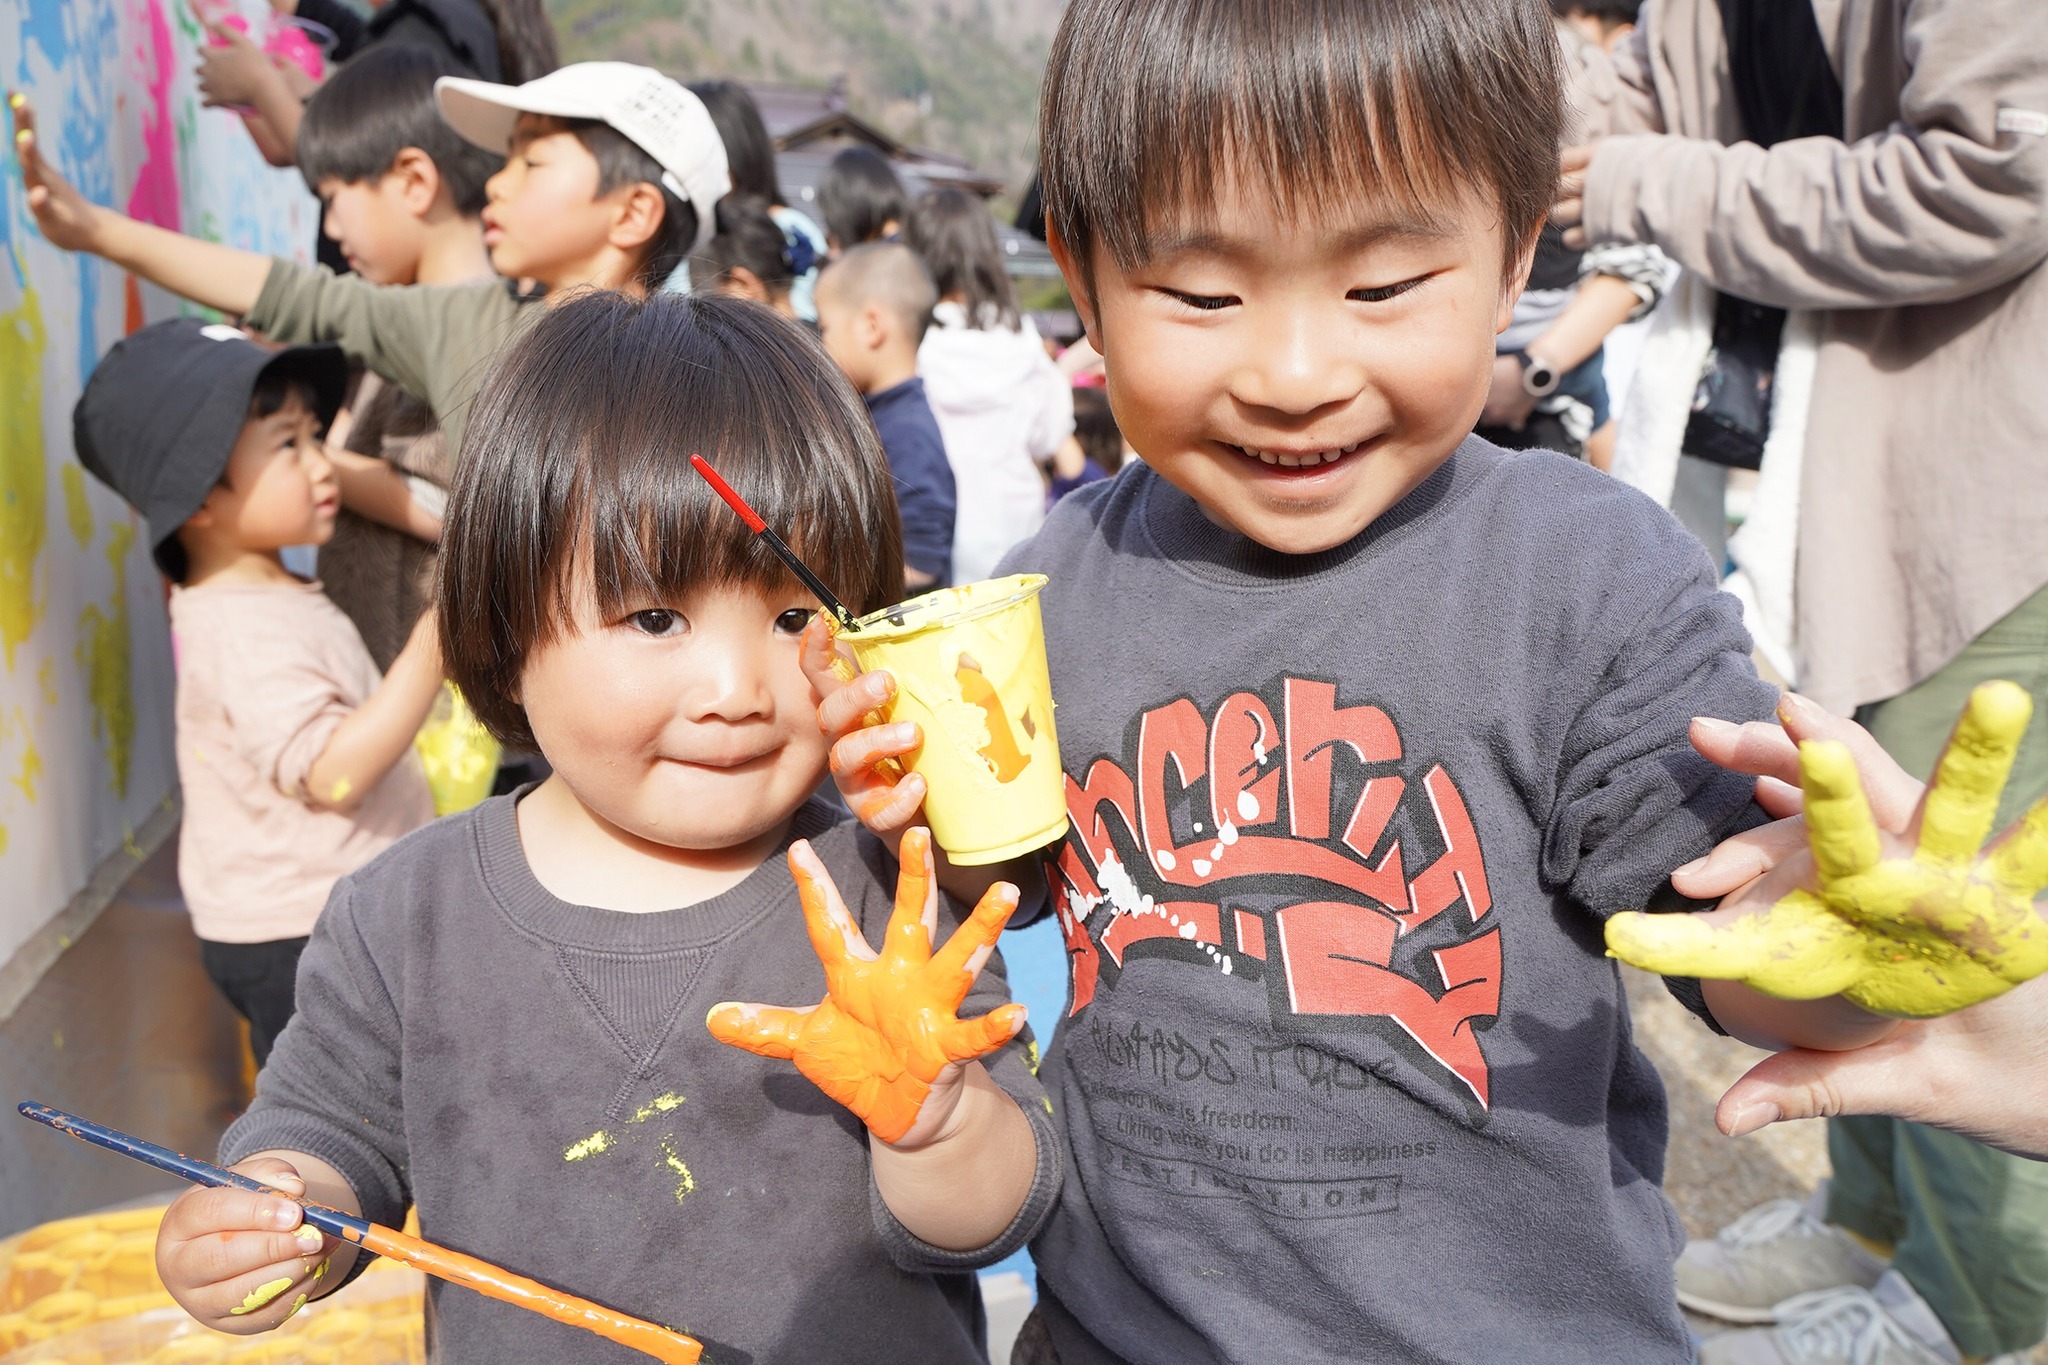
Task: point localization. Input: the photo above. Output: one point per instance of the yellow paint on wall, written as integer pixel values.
(23, 519)
(104, 656)
(76, 509)
(31, 769)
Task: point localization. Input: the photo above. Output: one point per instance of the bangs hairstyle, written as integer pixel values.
(578, 454)
(859, 196)
(1151, 106)
(622, 162)
(375, 107)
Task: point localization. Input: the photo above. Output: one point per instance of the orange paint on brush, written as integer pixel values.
(532, 1295)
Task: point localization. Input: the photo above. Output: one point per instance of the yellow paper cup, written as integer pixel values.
(969, 664)
(458, 754)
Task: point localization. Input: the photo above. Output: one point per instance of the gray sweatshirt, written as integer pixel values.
(1345, 1074)
(536, 1077)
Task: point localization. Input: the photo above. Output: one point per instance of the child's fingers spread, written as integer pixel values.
(917, 899)
(765, 1029)
(1839, 826)
(833, 932)
(1962, 802)
(968, 1039)
(976, 938)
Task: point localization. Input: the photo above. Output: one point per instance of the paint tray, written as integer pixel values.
(84, 1291)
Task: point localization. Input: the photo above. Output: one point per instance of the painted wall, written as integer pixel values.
(85, 657)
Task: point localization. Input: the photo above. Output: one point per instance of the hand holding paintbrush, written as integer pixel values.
(251, 1233)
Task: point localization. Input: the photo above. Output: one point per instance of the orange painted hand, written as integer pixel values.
(1907, 933)
(887, 1040)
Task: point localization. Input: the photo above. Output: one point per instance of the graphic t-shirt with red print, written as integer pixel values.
(1344, 1070)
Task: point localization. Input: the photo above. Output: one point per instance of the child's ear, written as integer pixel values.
(1077, 282)
(419, 180)
(872, 328)
(636, 216)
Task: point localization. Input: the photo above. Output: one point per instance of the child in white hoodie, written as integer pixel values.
(1001, 403)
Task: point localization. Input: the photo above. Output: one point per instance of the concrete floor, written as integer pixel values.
(124, 1028)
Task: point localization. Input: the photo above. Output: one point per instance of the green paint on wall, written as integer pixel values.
(76, 509)
(104, 656)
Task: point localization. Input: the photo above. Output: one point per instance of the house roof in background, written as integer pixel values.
(809, 127)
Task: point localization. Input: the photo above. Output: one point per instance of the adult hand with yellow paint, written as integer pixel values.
(243, 1262)
(1896, 931)
(886, 1041)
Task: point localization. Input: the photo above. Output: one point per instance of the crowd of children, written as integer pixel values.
(1372, 727)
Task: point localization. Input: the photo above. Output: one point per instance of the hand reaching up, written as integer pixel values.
(886, 1041)
(66, 218)
(1909, 934)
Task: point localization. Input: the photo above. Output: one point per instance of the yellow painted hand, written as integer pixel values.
(1906, 936)
(887, 1036)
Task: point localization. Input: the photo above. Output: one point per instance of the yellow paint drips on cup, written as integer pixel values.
(1911, 937)
(970, 671)
(261, 1295)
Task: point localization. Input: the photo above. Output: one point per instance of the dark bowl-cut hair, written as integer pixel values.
(376, 106)
(954, 235)
(622, 162)
(1150, 106)
(859, 195)
(747, 238)
(749, 151)
(577, 454)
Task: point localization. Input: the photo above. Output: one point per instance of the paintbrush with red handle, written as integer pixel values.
(776, 543)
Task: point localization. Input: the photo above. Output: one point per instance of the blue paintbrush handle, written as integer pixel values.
(333, 1222)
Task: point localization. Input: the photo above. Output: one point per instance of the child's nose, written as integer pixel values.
(1295, 369)
(730, 682)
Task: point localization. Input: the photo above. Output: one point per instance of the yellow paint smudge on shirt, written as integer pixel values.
(685, 1182)
(104, 655)
(660, 1104)
(599, 1141)
(262, 1295)
(1031, 1055)
(46, 679)
(23, 520)
(76, 509)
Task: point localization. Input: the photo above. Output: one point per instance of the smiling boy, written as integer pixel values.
(1368, 724)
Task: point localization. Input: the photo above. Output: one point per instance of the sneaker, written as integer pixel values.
(1887, 1325)
(1773, 1252)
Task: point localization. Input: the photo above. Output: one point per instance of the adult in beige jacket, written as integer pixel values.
(1917, 242)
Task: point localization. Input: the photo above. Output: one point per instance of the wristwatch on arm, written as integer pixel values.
(1539, 377)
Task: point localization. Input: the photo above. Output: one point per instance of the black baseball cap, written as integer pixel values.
(163, 409)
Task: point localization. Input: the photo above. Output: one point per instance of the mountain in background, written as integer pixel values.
(957, 76)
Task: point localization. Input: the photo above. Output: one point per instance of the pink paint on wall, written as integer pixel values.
(155, 198)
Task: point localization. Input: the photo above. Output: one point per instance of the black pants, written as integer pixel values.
(257, 979)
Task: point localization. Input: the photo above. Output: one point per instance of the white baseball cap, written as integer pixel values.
(657, 115)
